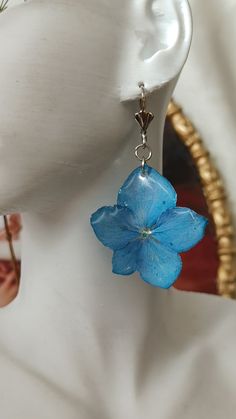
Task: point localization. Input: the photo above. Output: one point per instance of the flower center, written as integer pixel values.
(145, 233)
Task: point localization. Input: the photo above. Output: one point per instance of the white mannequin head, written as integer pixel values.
(66, 66)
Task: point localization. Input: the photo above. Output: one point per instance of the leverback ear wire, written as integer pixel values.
(144, 119)
(143, 99)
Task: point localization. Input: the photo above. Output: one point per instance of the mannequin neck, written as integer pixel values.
(62, 257)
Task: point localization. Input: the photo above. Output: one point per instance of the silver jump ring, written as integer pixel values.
(142, 157)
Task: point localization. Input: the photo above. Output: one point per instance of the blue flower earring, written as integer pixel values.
(145, 229)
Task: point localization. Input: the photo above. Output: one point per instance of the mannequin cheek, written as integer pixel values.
(42, 164)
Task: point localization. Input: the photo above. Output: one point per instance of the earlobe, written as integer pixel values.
(163, 38)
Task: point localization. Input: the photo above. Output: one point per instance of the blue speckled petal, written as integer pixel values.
(124, 260)
(147, 194)
(180, 229)
(114, 226)
(158, 265)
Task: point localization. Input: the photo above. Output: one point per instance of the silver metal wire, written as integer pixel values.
(143, 100)
(146, 156)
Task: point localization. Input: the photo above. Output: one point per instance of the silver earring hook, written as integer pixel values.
(143, 99)
(143, 152)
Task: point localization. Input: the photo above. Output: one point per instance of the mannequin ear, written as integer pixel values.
(158, 45)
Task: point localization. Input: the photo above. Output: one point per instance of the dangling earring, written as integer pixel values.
(145, 229)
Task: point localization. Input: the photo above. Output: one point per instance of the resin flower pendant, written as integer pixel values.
(146, 231)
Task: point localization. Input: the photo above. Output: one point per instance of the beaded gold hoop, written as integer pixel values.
(216, 199)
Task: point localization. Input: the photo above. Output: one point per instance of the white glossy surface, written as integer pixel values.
(79, 343)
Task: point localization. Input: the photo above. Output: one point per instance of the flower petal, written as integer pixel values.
(124, 260)
(114, 226)
(158, 265)
(180, 229)
(147, 194)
